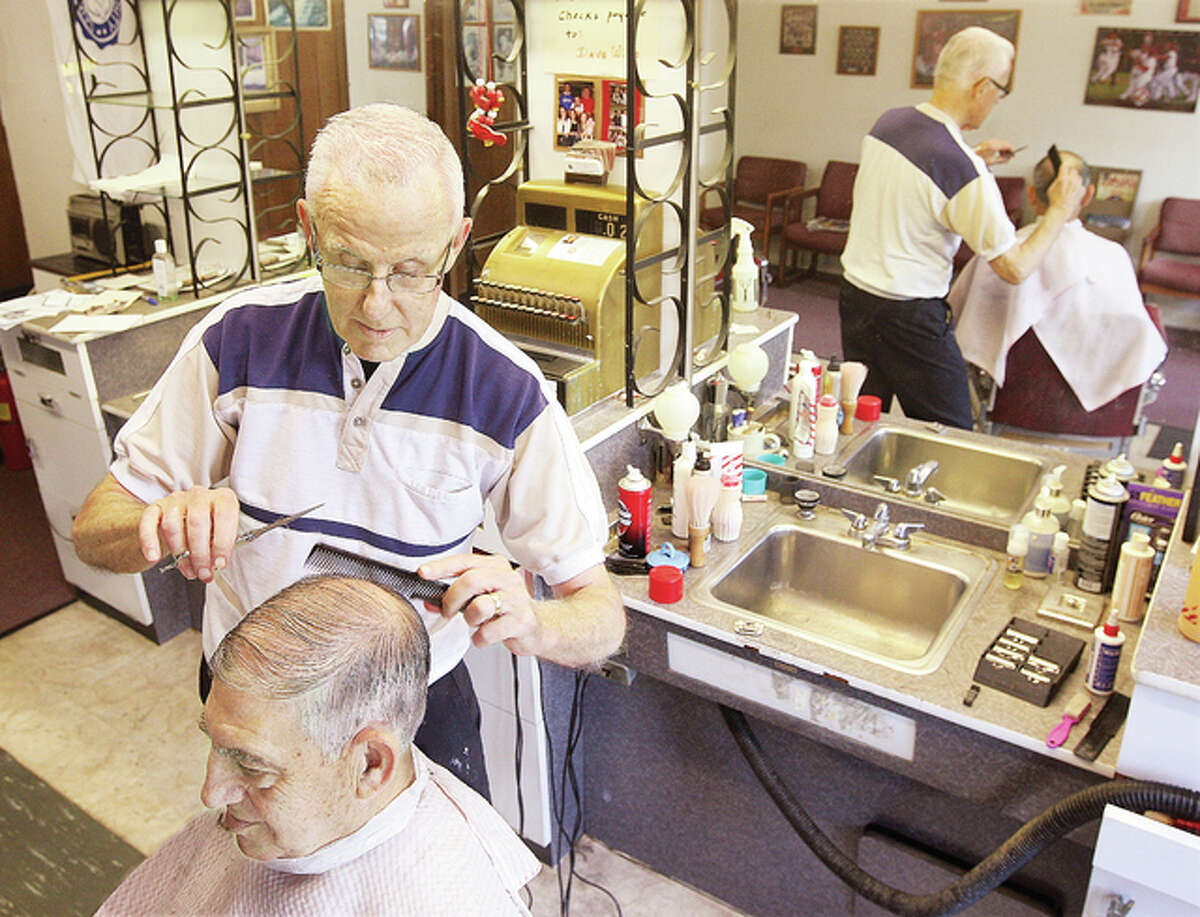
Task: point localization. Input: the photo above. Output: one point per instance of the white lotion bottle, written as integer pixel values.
(681, 470)
(827, 425)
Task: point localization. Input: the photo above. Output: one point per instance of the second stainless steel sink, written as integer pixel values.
(901, 609)
(975, 479)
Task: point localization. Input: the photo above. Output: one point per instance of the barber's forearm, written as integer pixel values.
(1020, 261)
(105, 532)
(583, 628)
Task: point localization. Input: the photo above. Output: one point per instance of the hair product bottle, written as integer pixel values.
(1018, 548)
(1107, 642)
(1042, 528)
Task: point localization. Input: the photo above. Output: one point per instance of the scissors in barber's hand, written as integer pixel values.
(246, 537)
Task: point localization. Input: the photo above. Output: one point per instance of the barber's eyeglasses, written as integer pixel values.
(354, 278)
(1003, 90)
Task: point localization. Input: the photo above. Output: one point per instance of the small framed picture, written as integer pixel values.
(503, 42)
(620, 112)
(395, 4)
(473, 10)
(575, 118)
(394, 41)
(474, 47)
(1105, 7)
(256, 68)
(798, 29)
(858, 49)
(1188, 11)
(245, 10)
(310, 14)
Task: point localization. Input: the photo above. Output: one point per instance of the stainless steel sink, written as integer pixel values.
(900, 609)
(982, 481)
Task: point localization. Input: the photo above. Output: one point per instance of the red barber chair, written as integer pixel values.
(1037, 402)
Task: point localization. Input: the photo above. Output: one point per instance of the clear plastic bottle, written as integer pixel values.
(1060, 506)
(1060, 557)
(1042, 528)
(1018, 547)
(166, 281)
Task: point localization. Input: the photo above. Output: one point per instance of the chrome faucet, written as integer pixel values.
(878, 531)
(918, 477)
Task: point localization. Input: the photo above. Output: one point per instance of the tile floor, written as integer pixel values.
(108, 719)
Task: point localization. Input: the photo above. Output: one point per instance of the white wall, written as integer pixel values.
(36, 127)
(787, 105)
(816, 115)
(369, 84)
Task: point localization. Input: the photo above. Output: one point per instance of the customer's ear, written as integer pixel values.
(374, 753)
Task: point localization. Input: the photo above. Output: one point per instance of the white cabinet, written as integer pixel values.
(60, 385)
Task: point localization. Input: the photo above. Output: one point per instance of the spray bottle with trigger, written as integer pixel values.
(746, 295)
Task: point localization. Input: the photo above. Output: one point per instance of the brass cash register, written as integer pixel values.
(555, 285)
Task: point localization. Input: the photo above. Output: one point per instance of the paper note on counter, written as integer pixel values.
(75, 323)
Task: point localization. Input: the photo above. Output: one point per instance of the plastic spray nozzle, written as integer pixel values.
(1054, 479)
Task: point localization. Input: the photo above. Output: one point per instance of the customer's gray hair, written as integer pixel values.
(971, 54)
(1043, 174)
(380, 147)
(350, 652)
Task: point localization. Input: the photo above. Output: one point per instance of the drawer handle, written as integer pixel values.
(48, 402)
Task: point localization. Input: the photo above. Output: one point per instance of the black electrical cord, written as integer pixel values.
(519, 746)
(1056, 821)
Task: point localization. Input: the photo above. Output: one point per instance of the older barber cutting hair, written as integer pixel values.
(315, 699)
(367, 389)
(920, 191)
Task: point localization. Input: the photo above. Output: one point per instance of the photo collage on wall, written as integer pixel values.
(579, 117)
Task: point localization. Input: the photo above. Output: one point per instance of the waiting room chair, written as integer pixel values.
(833, 197)
(1012, 191)
(1177, 233)
(1036, 399)
(759, 186)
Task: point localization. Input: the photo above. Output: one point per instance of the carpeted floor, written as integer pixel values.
(29, 569)
(57, 859)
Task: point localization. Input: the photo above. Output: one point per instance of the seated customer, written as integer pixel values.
(316, 696)
(1082, 302)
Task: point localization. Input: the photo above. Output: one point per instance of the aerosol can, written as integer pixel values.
(747, 292)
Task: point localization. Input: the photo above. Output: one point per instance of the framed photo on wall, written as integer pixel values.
(256, 67)
(935, 27)
(858, 49)
(798, 29)
(395, 4)
(1105, 7)
(620, 113)
(310, 14)
(394, 41)
(1188, 11)
(575, 110)
(245, 10)
(1154, 69)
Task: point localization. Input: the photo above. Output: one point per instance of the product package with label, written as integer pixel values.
(1152, 510)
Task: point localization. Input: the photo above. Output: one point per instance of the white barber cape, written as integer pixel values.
(1083, 304)
(437, 849)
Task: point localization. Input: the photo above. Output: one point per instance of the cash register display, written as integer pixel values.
(546, 216)
(600, 223)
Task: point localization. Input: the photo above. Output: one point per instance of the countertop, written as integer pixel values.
(941, 692)
(1163, 657)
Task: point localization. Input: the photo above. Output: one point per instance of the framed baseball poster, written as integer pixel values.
(935, 27)
(798, 29)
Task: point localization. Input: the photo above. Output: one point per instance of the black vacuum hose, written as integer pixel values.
(1062, 817)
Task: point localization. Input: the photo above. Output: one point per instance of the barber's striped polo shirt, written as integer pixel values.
(263, 396)
(920, 190)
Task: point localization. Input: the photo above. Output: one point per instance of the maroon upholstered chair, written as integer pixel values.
(1012, 190)
(1177, 232)
(1037, 398)
(833, 197)
(759, 185)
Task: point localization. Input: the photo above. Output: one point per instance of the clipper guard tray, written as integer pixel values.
(1028, 661)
